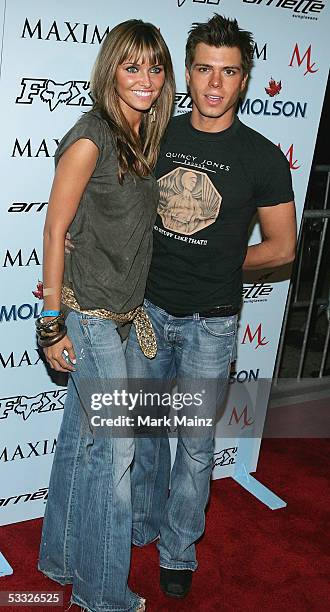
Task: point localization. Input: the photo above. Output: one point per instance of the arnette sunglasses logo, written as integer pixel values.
(301, 9)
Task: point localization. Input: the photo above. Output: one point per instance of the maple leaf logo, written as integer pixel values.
(38, 292)
(274, 88)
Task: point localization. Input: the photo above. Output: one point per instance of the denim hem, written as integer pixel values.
(179, 565)
(141, 544)
(63, 580)
(133, 607)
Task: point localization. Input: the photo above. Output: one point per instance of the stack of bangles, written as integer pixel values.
(50, 331)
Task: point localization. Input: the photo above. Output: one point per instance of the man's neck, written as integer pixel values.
(211, 124)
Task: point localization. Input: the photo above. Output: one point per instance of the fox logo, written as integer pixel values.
(25, 406)
(71, 93)
(227, 456)
(274, 88)
(56, 93)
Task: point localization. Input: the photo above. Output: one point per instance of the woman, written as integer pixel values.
(105, 193)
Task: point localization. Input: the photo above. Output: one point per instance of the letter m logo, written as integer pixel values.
(291, 157)
(307, 57)
(249, 337)
(246, 420)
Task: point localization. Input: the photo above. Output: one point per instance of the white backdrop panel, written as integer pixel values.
(46, 45)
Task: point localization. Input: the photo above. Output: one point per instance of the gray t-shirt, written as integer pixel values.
(112, 229)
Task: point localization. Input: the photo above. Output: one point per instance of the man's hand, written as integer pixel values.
(69, 246)
(279, 237)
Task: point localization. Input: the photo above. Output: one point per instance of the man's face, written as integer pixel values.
(215, 81)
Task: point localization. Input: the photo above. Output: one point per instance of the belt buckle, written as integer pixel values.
(218, 311)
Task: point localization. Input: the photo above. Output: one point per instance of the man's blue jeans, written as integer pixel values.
(188, 348)
(86, 537)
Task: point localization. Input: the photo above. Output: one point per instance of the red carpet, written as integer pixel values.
(251, 558)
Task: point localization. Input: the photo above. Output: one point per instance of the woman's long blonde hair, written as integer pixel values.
(133, 40)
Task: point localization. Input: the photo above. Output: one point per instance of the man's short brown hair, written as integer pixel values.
(221, 32)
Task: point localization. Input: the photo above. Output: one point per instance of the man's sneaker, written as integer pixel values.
(175, 583)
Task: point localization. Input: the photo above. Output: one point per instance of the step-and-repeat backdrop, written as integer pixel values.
(48, 49)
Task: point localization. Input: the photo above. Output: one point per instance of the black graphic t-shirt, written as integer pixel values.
(210, 187)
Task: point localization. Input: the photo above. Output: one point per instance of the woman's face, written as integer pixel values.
(189, 180)
(138, 85)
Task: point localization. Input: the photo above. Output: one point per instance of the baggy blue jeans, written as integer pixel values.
(188, 348)
(86, 537)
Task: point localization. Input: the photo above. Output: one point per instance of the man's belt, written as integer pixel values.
(217, 311)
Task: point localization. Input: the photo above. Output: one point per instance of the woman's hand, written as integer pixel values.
(69, 246)
(55, 358)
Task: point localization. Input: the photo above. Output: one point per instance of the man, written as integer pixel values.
(194, 286)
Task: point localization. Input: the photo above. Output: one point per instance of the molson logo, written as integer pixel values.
(22, 312)
(259, 106)
(244, 376)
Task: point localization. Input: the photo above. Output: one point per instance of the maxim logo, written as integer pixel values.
(39, 149)
(254, 338)
(19, 207)
(297, 60)
(20, 259)
(303, 9)
(70, 93)
(24, 406)
(260, 53)
(25, 497)
(291, 157)
(64, 32)
(22, 312)
(28, 450)
(11, 360)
